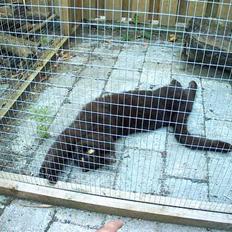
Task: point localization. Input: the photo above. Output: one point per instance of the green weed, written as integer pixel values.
(43, 121)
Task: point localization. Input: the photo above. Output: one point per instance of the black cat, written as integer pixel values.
(90, 139)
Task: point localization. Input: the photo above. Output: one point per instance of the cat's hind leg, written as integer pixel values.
(191, 91)
(174, 82)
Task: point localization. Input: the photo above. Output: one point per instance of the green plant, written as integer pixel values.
(128, 37)
(147, 35)
(43, 120)
(44, 41)
(136, 19)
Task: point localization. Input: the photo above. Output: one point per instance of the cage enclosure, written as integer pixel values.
(113, 106)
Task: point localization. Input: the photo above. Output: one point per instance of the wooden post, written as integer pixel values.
(195, 8)
(154, 8)
(182, 10)
(89, 13)
(110, 7)
(141, 7)
(100, 6)
(168, 10)
(65, 17)
(126, 6)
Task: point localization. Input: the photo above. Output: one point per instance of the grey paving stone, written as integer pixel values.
(164, 227)
(185, 189)
(27, 139)
(117, 86)
(220, 172)
(103, 177)
(161, 52)
(97, 71)
(57, 226)
(219, 129)
(183, 162)
(86, 90)
(131, 58)
(220, 175)
(155, 74)
(139, 171)
(101, 62)
(51, 98)
(65, 79)
(154, 140)
(25, 216)
(108, 50)
(135, 225)
(217, 99)
(80, 217)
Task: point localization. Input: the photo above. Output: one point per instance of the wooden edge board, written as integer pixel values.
(138, 197)
(120, 207)
(8, 103)
(41, 25)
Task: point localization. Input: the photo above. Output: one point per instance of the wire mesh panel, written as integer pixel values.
(126, 99)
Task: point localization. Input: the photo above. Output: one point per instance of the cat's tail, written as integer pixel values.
(199, 143)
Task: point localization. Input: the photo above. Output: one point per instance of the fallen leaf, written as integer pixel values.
(172, 38)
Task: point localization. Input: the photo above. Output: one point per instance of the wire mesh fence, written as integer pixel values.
(119, 98)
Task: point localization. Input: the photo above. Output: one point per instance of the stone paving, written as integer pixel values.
(152, 163)
(19, 215)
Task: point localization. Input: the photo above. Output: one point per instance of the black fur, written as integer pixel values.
(90, 139)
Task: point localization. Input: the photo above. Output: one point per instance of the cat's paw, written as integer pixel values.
(193, 85)
(48, 172)
(174, 82)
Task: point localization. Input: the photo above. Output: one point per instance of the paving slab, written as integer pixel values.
(58, 226)
(166, 227)
(131, 58)
(25, 216)
(139, 171)
(183, 162)
(63, 80)
(219, 129)
(121, 80)
(135, 225)
(217, 99)
(220, 172)
(79, 217)
(161, 52)
(28, 137)
(154, 140)
(155, 74)
(185, 189)
(86, 90)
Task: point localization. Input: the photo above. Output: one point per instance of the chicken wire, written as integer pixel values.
(117, 46)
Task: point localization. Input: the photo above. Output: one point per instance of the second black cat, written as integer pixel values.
(90, 139)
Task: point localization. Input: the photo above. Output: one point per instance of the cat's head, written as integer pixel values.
(88, 157)
(93, 151)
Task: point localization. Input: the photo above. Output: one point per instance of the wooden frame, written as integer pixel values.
(7, 104)
(105, 201)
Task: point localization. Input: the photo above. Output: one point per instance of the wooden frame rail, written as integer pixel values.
(63, 194)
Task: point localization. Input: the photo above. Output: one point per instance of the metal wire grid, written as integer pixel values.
(99, 61)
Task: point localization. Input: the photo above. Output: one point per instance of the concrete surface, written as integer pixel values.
(20, 215)
(152, 163)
